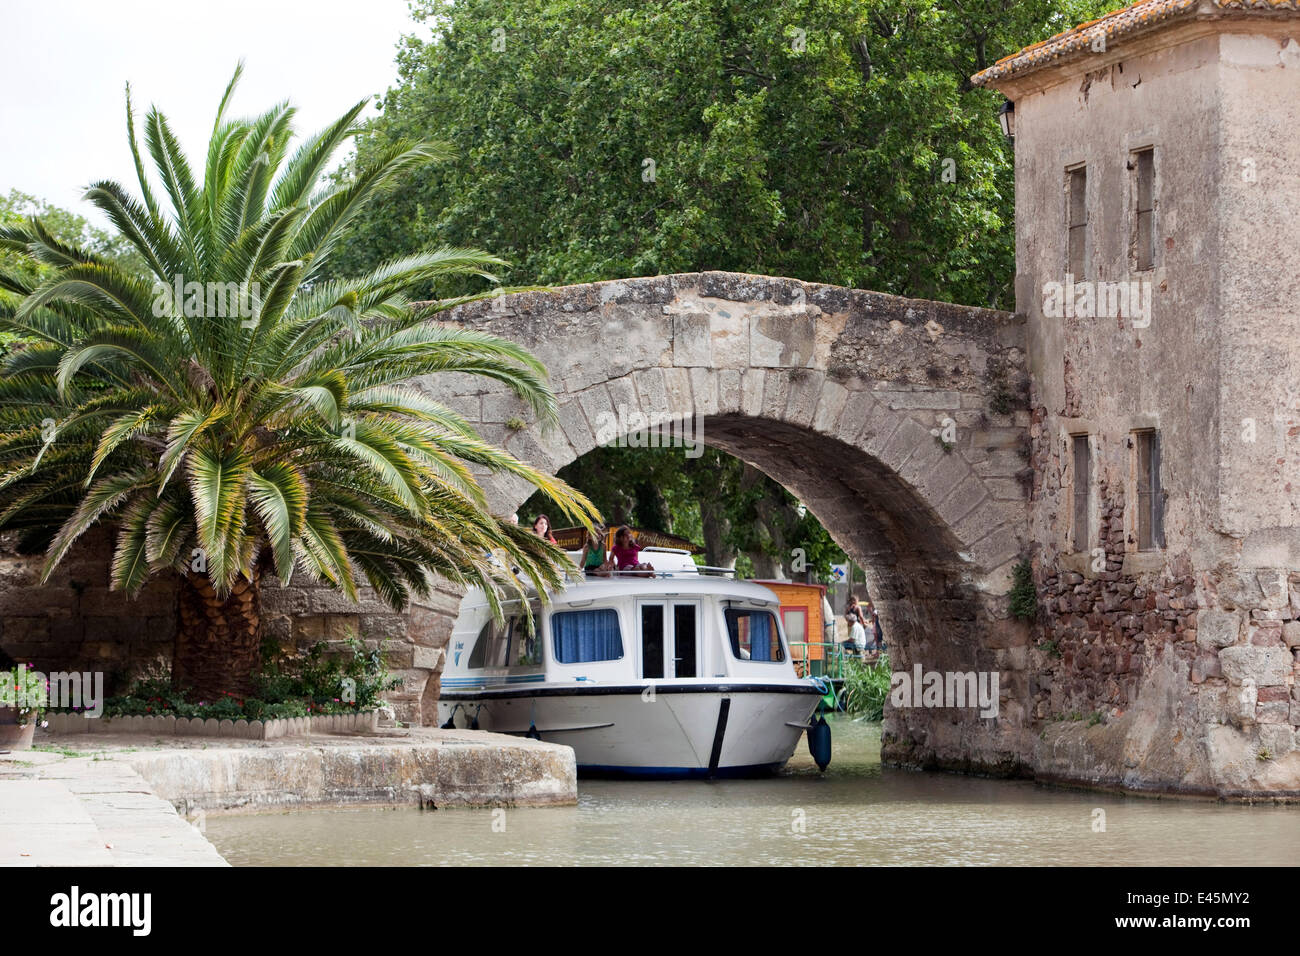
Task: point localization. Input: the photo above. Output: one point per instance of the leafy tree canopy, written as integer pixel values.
(807, 138)
(830, 140)
(18, 207)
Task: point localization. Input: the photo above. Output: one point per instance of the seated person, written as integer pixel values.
(595, 560)
(627, 553)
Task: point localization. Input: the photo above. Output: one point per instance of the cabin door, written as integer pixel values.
(670, 639)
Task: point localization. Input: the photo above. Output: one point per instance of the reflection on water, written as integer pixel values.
(857, 813)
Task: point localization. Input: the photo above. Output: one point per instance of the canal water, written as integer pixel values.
(856, 813)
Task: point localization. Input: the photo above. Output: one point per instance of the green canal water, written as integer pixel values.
(857, 813)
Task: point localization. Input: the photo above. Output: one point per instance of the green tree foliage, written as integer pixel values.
(736, 512)
(830, 140)
(18, 207)
(807, 138)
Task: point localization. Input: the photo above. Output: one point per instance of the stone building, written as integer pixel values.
(1157, 157)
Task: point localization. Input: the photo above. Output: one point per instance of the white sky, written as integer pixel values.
(64, 64)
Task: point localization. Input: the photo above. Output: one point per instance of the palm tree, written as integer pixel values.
(262, 420)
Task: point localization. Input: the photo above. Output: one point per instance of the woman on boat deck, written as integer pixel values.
(542, 528)
(595, 560)
(627, 552)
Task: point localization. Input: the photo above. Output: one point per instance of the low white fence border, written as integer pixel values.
(363, 722)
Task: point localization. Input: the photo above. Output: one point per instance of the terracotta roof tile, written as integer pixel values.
(1137, 17)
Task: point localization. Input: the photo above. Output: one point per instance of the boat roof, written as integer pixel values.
(677, 586)
(680, 585)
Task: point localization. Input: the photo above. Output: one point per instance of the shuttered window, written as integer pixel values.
(1150, 498)
(1144, 212)
(1076, 188)
(1082, 491)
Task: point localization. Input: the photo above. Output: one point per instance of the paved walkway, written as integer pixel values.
(83, 811)
(108, 799)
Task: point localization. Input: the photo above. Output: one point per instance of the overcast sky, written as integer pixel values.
(64, 64)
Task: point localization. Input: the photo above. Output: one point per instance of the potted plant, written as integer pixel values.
(23, 698)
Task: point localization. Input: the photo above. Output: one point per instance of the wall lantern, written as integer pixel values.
(1007, 119)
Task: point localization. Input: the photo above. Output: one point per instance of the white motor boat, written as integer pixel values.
(684, 673)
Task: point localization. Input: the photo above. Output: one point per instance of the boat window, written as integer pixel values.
(492, 648)
(652, 640)
(684, 639)
(582, 637)
(753, 634)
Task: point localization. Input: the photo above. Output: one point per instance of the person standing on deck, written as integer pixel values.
(857, 633)
(875, 636)
(854, 616)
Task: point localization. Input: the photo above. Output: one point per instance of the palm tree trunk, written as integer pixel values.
(219, 639)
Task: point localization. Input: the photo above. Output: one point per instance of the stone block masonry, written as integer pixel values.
(1160, 671)
(75, 623)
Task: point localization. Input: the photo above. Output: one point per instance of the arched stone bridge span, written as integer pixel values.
(849, 399)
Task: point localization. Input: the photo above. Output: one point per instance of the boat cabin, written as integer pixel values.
(682, 624)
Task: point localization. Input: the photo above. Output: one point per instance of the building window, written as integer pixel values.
(1144, 212)
(1082, 491)
(1150, 497)
(753, 634)
(1077, 220)
(583, 637)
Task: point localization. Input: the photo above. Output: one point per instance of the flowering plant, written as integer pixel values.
(26, 691)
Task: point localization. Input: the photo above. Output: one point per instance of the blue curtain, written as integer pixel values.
(762, 636)
(585, 636)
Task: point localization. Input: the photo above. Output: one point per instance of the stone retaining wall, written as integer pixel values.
(457, 770)
(75, 623)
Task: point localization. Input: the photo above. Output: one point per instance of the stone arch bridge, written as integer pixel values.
(848, 398)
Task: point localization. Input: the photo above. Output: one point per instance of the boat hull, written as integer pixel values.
(633, 730)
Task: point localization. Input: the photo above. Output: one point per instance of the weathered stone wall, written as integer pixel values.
(414, 640)
(76, 623)
(1171, 668)
(1258, 228)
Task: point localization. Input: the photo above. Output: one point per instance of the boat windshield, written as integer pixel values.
(507, 643)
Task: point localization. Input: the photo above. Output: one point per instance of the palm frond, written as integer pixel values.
(298, 429)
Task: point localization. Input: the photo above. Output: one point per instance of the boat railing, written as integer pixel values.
(701, 570)
(823, 658)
